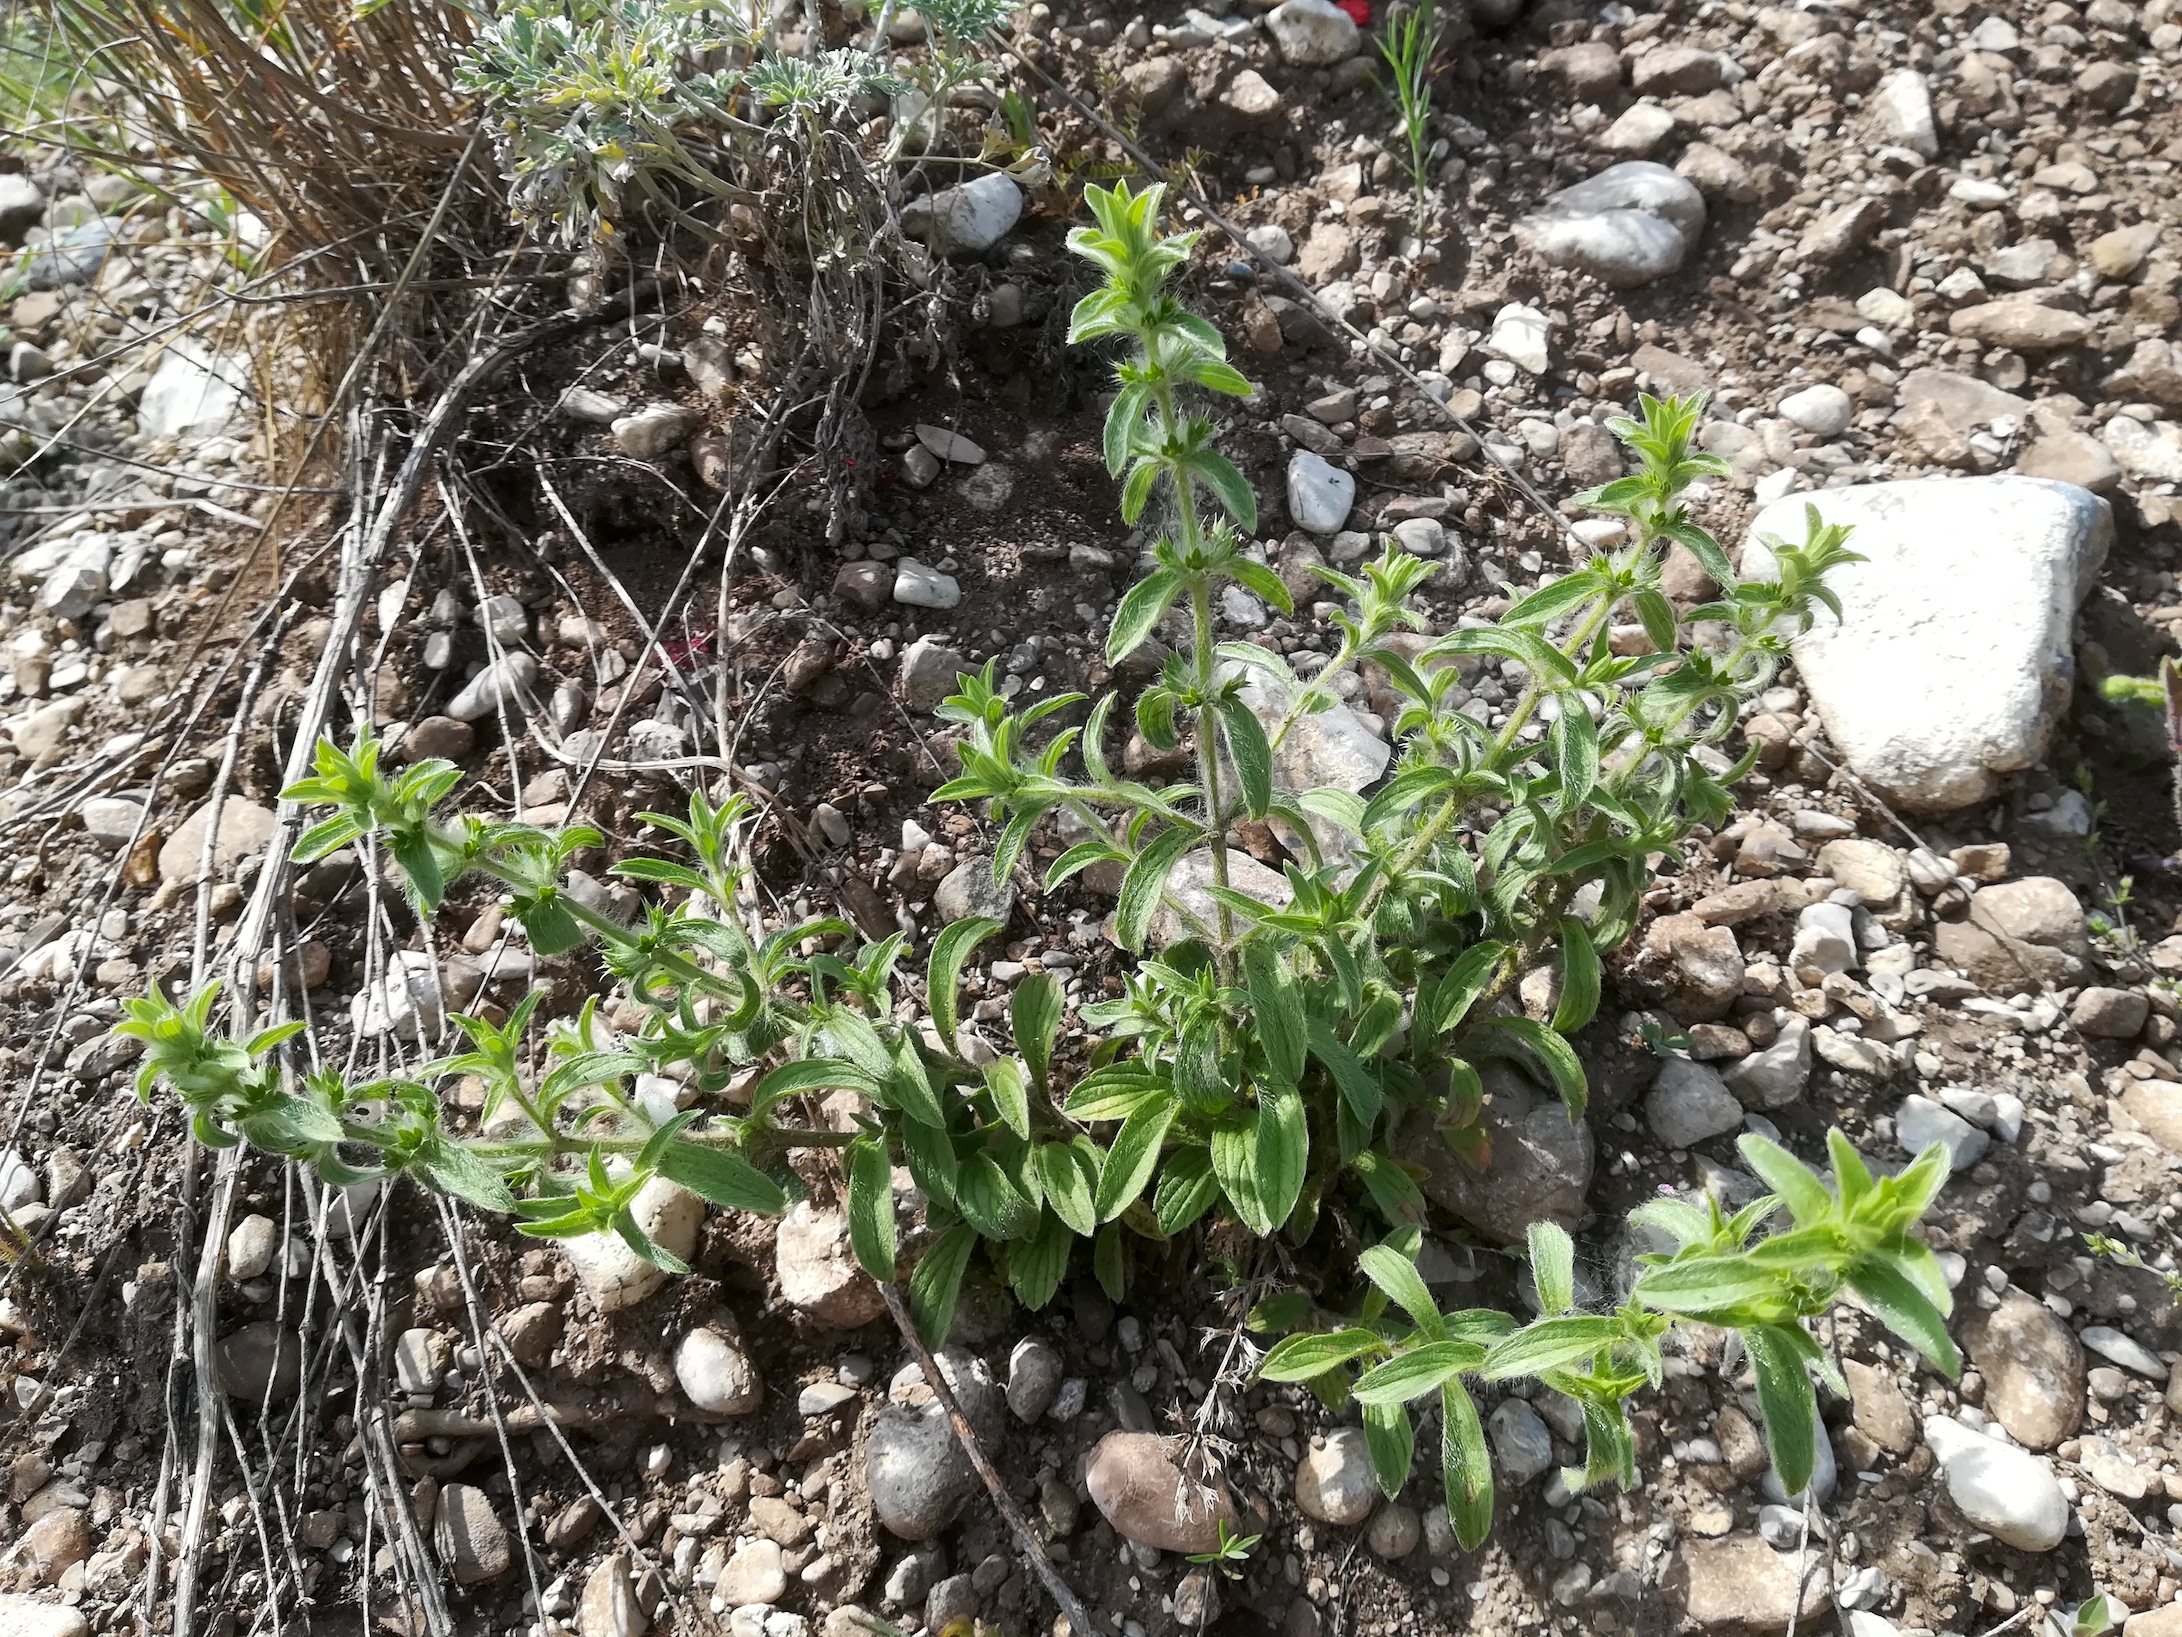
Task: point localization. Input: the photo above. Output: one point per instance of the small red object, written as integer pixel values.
(1359, 11)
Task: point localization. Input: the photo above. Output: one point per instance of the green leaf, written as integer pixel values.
(1393, 1191)
(1798, 1186)
(1553, 1053)
(988, 1196)
(1465, 1468)
(1004, 1081)
(930, 1153)
(1393, 1445)
(871, 1207)
(1133, 1157)
(1144, 881)
(1553, 1267)
(1037, 1265)
(1140, 612)
(1187, 1188)
(1069, 1174)
(1787, 1403)
(1234, 1164)
(1580, 978)
(1229, 487)
(1115, 1093)
(1470, 976)
(937, 1281)
(723, 1177)
(1110, 1261)
(1609, 1448)
(1397, 1275)
(1902, 1308)
(1573, 740)
(1550, 601)
(453, 1169)
(1657, 616)
(1252, 753)
(1282, 1151)
(1305, 1358)
(1034, 1013)
(1419, 1371)
(1276, 1010)
(1704, 1284)
(288, 1125)
(1707, 551)
(1549, 1344)
(943, 975)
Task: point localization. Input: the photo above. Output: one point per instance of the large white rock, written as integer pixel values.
(1630, 224)
(1319, 493)
(1523, 336)
(1952, 660)
(2002, 1488)
(1902, 105)
(192, 390)
(1313, 33)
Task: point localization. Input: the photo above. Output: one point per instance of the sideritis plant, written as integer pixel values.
(1267, 1045)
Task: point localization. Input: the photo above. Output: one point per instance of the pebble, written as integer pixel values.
(755, 1574)
(1523, 336)
(2006, 1491)
(22, 1616)
(1920, 1122)
(716, 1375)
(612, 1274)
(1138, 1489)
(2116, 1348)
(1035, 1369)
(1395, 1531)
(1628, 225)
(405, 1001)
(967, 219)
(1319, 493)
(245, 829)
(1522, 1445)
(508, 683)
(915, 1469)
(609, 1606)
(471, 1539)
(1334, 1481)
(949, 445)
(656, 430)
(1688, 1103)
(1313, 33)
(918, 585)
(817, 1272)
(1823, 409)
(929, 669)
(251, 1247)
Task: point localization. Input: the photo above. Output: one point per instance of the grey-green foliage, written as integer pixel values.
(1275, 1064)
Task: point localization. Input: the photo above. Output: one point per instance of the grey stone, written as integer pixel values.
(656, 430)
(1522, 1444)
(918, 585)
(509, 682)
(1953, 660)
(2032, 1366)
(2116, 1348)
(915, 1468)
(1823, 409)
(1628, 225)
(970, 889)
(967, 219)
(471, 1539)
(1034, 1376)
(1319, 493)
(1313, 33)
(1920, 1122)
(1690, 1102)
(1902, 106)
(929, 669)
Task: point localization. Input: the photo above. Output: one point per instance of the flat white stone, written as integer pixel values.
(1952, 660)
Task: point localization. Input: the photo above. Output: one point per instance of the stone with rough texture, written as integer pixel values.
(656, 430)
(2021, 323)
(2156, 1106)
(27, 1617)
(970, 889)
(2033, 1369)
(609, 1607)
(970, 218)
(2153, 370)
(1190, 884)
(2019, 935)
(2165, 1622)
(1776, 1076)
(612, 1274)
(1902, 106)
(716, 1375)
(1953, 661)
(1313, 33)
(1522, 1443)
(1740, 1582)
(919, 585)
(1881, 1409)
(1148, 1499)
(1523, 336)
(1319, 493)
(244, 830)
(2004, 1490)
(471, 1539)
(1701, 967)
(1690, 1102)
(915, 1468)
(1823, 409)
(1540, 1168)
(509, 683)
(817, 1270)
(1334, 1480)
(1628, 225)
(2152, 452)
(754, 1574)
(1920, 1122)
(929, 671)
(2109, 1014)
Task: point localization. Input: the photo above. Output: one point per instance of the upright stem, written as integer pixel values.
(1208, 752)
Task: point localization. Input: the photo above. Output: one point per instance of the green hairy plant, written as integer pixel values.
(1275, 1054)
